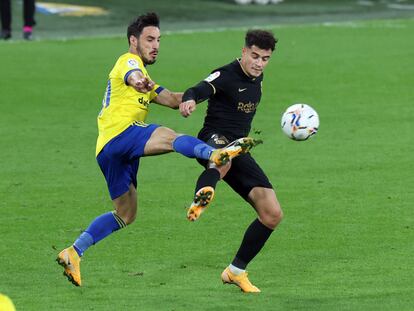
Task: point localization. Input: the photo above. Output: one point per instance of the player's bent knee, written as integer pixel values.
(278, 216)
(168, 136)
(127, 212)
(169, 133)
(128, 218)
(272, 217)
(222, 169)
(272, 221)
(161, 141)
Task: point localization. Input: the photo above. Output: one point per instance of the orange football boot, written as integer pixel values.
(240, 280)
(70, 260)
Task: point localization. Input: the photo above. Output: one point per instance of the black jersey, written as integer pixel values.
(233, 105)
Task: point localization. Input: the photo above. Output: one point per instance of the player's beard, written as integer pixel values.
(145, 60)
(149, 62)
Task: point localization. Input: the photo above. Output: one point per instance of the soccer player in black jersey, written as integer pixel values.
(233, 92)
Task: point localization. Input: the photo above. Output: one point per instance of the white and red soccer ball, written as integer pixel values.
(300, 121)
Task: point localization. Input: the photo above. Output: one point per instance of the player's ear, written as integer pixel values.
(133, 40)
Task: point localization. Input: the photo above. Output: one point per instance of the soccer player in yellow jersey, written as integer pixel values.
(124, 137)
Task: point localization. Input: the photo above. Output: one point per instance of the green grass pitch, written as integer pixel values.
(346, 242)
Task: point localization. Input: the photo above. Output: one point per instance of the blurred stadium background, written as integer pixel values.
(346, 242)
(112, 15)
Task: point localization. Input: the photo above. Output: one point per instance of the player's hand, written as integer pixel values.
(143, 85)
(140, 82)
(187, 108)
(150, 85)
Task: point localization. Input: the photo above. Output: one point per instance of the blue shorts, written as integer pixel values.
(119, 159)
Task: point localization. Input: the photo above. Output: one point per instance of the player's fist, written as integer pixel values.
(143, 85)
(140, 82)
(187, 107)
(150, 85)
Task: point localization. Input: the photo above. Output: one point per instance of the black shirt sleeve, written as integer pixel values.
(199, 93)
(218, 80)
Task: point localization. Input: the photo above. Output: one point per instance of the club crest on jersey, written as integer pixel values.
(132, 63)
(212, 76)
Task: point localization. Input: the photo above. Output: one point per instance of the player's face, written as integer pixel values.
(147, 44)
(254, 60)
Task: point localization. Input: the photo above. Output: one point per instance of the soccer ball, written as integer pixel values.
(300, 121)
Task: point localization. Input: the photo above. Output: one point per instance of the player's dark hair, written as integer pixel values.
(142, 21)
(263, 39)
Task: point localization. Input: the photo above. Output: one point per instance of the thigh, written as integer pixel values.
(120, 173)
(245, 174)
(119, 159)
(130, 144)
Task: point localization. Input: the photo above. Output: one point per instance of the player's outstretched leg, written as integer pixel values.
(70, 260)
(240, 280)
(239, 146)
(202, 199)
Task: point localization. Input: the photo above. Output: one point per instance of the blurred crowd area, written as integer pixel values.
(262, 2)
(79, 18)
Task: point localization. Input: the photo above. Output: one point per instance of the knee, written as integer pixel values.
(128, 216)
(223, 169)
(166, 138)
(129, 219)
(278, 216)
(273, 217)
(170, 135)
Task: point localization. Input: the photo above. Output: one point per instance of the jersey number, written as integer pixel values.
(107, 97)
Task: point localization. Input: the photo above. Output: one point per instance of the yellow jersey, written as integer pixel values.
(122, 105)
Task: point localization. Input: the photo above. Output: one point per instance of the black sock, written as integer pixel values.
(255, 237)
(209, 177)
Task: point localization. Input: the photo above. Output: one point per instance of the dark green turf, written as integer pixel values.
(346, 242)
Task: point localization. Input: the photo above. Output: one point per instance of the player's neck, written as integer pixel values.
(132, 50)
(244, 70)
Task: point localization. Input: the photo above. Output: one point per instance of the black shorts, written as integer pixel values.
(244, 174)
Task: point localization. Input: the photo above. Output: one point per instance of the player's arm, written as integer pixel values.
(195, 95)
(139, 82)
(168, 99)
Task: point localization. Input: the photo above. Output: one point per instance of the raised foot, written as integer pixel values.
(239, 146)
(202, 199)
